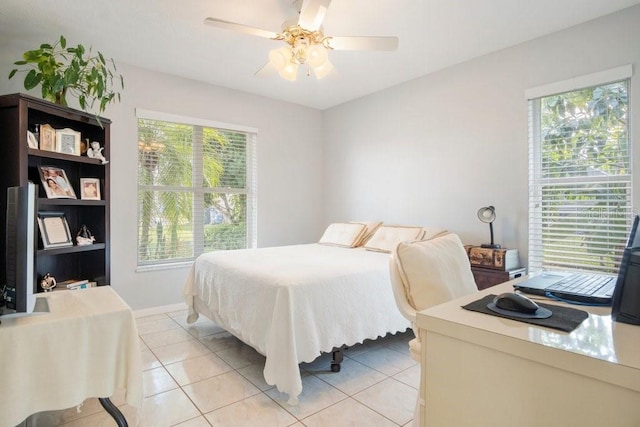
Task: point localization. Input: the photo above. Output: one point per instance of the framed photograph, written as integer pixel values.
(54, 230)
(68, 141)
(31, 140)
(90, 189)
(55, 183)
(47, 138)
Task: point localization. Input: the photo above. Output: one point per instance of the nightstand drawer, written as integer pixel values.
(487, 277)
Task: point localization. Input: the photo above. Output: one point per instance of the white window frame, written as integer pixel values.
(198, 192)
(534, 95)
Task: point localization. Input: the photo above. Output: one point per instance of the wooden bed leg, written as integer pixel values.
(337, 355)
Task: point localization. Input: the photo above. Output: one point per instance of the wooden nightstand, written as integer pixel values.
(487, 277)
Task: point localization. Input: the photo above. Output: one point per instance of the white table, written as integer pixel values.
(482, 370)
(86, 346)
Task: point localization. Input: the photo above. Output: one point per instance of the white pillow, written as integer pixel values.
(387, 237)
(372, 226)
(434, 271)
(343, 234)
(432, 233)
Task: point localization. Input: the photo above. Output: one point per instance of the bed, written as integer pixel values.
(291, 303)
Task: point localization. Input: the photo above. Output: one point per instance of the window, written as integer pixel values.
(579, 178)
(196, 188)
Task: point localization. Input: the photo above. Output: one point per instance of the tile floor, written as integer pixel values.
(199, 375)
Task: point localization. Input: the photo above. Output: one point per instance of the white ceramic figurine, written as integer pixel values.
(95, 152)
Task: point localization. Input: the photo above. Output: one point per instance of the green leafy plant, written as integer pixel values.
(62, 70)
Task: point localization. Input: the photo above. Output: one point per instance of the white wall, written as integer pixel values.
(289, 151)
(434, 150)
(429, 152)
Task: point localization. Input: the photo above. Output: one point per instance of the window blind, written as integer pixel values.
(196, 188)
(580, 206)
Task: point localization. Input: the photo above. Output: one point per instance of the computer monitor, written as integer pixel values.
(626, 297)
(20, 241)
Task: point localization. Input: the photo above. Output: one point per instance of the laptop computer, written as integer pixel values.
(579, 288)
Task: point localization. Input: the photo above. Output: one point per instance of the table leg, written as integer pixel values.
(113, 411)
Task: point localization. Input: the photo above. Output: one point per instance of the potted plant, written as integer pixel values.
(62, 70)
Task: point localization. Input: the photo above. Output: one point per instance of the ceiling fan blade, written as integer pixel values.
(363, 43)
(312, 14)
(219, 23)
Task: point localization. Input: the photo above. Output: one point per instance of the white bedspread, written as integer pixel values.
(292, 302)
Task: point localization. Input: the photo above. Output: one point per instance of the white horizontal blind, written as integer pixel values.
(196, 188)
(580, 207)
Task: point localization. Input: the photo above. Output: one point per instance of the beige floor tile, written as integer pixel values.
(157, 325)
(255, 374)
(387, 361)
(240, 356)
(390, 398)
(410, 376)
(361, 348)
(316, 395)
(158, 339)
(167, 409)
(197, 369)
(143, 345)
(179, 313)
(201, 328)
(258, 410)
(196, 422)
(352, 378)
(219, 391)
(151, 318)
(149, 360)
(350, 413)
(219, 342)
(156, 381)
(172, 353)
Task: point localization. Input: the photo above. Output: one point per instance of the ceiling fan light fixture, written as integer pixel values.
(323, 69)
(305, 39)
(279, 58)
(317, 55)
(289, 72)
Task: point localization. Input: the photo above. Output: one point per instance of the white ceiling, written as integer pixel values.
(169, 36)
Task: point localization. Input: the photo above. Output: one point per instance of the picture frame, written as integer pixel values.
(68, 141)
(54, 230)
(90, 189)
(47, 138)
(55, 183)
(31, 140)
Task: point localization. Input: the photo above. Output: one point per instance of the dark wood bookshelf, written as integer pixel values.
(20, 113)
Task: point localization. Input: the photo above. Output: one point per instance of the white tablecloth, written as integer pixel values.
(86, 346)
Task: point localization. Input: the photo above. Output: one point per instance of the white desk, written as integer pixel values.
(482, 370)
(86, 346)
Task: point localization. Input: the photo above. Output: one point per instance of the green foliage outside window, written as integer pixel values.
(584, 149)
(191, 185)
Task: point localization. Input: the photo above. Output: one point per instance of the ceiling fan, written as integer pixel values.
(307, 44)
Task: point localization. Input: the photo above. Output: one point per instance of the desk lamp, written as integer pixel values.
(488, 215)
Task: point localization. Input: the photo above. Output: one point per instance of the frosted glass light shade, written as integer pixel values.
(317, 55)
(323, 70)
(279, 58)
(289, 72)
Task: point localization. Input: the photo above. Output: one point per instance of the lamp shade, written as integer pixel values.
(488, 215)
(323, 70)
(317, 55)
(279, 58)
(289, 72)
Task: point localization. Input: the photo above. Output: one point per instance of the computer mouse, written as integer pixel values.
(515, 302)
